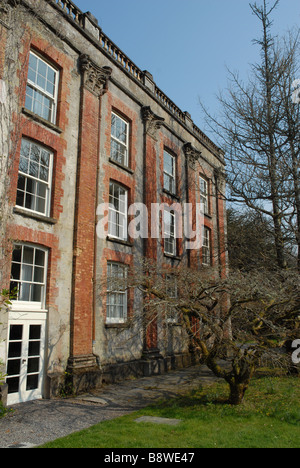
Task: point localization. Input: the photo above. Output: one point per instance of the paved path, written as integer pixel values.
(36, 422)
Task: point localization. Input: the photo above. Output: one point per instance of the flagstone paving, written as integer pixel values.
(40, 421)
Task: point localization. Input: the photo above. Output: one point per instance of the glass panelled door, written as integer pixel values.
(25, 360)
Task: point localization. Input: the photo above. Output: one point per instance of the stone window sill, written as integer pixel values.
(119, 241)
(39, 119)
(36, 216)
(125, 168)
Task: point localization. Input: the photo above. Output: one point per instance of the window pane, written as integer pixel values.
(35, 332)
(17, 254)
(28, 101)
(30, 202)
(13, 384)
(33, 365)
(27, 272)
(25, 148)
(41, 81)
(36, 293)
(38, 275)
(40, 205)
(13, 367)
(45, 158)
(24, 165)
(24, 294)
(32, 382)
(14, 349)
(21, 183)
(34, 348)
(39, 257)
(15, 271)
(168, 163)
(16, 332)
(34, 169)
(41, 190)
(33, 62)
(28, 253)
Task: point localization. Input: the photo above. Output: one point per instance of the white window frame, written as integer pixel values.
(30, 305)
(120, 296)
(169, 175)
(169, 232)
(120, 142)
(37, 180)
(204, 194)
(206, 247)
(120, 217)
(43, 92)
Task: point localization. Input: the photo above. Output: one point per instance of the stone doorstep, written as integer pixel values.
(157, 420)
(93, 399)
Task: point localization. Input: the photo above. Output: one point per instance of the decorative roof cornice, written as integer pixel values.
(89, 27)
(192, 155)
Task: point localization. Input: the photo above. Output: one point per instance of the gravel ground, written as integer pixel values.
(37, 422)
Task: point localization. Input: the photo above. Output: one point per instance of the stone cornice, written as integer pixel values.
(152, 121)
(95, 78)
(192, 155)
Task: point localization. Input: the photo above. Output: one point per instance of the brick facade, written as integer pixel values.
(96, 80)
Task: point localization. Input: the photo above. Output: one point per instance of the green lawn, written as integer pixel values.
(269, 418)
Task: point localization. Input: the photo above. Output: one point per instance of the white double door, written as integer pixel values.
(25, 357)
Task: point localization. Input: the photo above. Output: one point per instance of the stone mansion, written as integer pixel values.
(83, 127)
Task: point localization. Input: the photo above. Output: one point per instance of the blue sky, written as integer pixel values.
(187, 44)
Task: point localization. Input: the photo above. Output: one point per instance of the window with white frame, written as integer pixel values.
(206, 249)
(118, 210)
(28, 275)
(169, 232)
(35, 177)
(169, 172)
(119, 150)
(42, 88)
(116, 300)
(204, 200)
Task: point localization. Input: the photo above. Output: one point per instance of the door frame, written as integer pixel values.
(26, 319)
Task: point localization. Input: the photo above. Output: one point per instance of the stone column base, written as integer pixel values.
(84, 373)
(153, 362)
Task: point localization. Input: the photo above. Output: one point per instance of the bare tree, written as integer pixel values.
(250, 242)
(257, 131)
(231, 337)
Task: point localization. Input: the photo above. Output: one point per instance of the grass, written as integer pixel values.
(269, 418)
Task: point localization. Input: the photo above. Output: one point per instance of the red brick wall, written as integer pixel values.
(3, 39)
(150, 189)
(84, 241)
